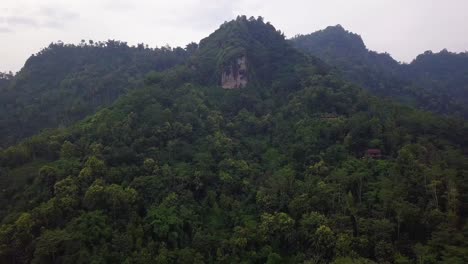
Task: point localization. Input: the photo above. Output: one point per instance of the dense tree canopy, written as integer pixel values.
(444, 73)
(64, 83)
(182, 171)
(433, 81)
(5, 79)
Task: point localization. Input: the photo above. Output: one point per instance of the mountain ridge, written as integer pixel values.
(184, 171)
(63, 83)
(384, 76)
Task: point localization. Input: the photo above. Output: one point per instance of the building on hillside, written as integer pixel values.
(373, 154)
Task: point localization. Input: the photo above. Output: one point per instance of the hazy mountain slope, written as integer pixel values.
(444, 73)
(5, 79)
(268, 55)
(383, 76)
(64, 83)
(183, 171)
(347, 51)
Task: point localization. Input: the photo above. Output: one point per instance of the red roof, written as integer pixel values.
(374, 153)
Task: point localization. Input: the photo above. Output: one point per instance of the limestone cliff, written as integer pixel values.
(235, 75)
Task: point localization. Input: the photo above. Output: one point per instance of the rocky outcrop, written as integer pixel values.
(235, 76)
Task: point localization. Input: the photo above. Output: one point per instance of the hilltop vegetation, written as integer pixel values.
(5, 79)
(182, 171)
(444, 73)
(63, 83)
(435, 82)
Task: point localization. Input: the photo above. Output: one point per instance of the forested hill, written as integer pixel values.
(63, 83)
(433, 81)
(5, 79)
(444, 73)
(267, 56)
(286, 164)
(337, 46)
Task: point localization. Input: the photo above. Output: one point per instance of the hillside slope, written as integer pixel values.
(5, 79)
(444, 73)
(184, 171)
(64, 83)
(433, 81)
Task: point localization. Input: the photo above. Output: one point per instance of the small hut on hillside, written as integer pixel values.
(373, 154)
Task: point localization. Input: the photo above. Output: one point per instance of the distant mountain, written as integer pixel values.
(346, 50)
(249, 152)
(64, 83)
(383, 76)
(257, 46)
(5, 79)
(444, 73)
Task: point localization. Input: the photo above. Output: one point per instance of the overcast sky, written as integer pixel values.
(403, 28)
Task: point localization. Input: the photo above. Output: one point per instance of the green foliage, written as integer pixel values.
(64, 83)
(268, 55)
(433, 81)
(182, 171)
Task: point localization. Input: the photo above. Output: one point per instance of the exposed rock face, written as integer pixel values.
(235, 76)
